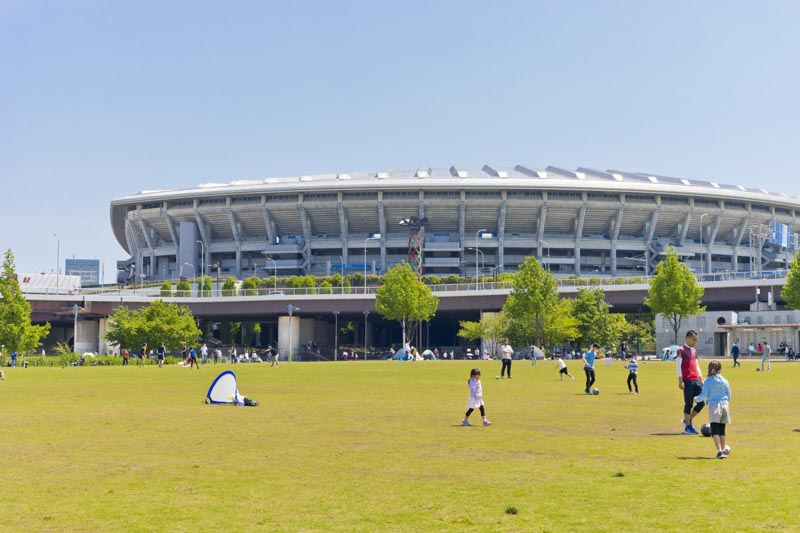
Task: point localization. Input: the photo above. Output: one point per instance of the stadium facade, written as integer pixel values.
(580, 222)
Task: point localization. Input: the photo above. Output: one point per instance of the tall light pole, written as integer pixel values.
(702, 252)
(194, 273)
(291, 308)
(366, 314)
(275, 274)
(202, 259)
(58, 257)
(477, 275)
(336, 336)
(374, 236)
(483, 258)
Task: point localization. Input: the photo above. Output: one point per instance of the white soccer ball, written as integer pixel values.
(497, 377)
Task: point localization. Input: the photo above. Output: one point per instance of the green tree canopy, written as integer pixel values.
(159, 322)
(229, 286)
(533, 298)
(791, 291)
(403, 297)
(17, 333)
(674, 292)
(561, 325)
(594, 320)
(490, 329)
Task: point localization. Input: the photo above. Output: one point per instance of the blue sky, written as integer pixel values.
(99, 100)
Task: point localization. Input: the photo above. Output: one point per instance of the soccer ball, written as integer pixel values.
(705, 429)
(758, 369)
(497, 377)
(595, 391)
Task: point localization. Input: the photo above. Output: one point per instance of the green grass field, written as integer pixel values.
(378, 446)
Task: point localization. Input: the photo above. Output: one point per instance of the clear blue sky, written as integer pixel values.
(99, 100)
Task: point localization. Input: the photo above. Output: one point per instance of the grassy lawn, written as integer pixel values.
(369, 446)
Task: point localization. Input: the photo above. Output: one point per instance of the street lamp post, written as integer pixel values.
(375, 236)
(477, 274)
(291, 308)
(366, 314)
(275, 273)
(202, 258)
(336, 336)
(58, 257)
(483, 259)
(194, 272)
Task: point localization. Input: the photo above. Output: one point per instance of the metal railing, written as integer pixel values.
(470, 286)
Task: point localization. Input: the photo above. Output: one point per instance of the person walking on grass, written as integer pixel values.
(735, 354)
(690, 381)
(588, 366)
(126, 355)
(633, 372)
(765, 356)
(475, 400)
(506, 351)
(717, 393)
(562, 369)
(162, 353)
(144, 354)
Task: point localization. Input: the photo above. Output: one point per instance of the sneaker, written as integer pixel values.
(487, 423)
(572, 378)
(721, 455)
(690, 430)
(587, 391)
(726, 451)
(465, 422)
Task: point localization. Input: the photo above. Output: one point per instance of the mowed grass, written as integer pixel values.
(378, 446)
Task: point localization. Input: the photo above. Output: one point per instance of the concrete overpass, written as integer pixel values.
(320, 311)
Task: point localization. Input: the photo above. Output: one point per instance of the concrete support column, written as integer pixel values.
(284, 338)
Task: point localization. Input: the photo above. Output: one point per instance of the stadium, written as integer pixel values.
(580, 222)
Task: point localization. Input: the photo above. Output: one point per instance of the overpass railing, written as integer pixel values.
(470, 286)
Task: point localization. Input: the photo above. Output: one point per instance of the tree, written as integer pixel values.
(205, 286)
(17, 333)
(250, 286)
(534, 296)
(403, 297)
(561, 325)
(183, 289)
(594, 320)
(791, 291)
(229, 286)
(159, 322)
(674, 292)
(490, 329)
(166, 289)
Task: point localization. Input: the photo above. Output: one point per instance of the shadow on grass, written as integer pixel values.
(667, 435)
(697, 458)
(796, 430)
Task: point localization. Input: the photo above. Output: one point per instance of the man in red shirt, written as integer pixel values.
(690, 380)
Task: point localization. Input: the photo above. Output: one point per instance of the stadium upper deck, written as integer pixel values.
(581, 222)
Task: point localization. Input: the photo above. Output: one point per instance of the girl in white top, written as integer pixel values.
(475, 398)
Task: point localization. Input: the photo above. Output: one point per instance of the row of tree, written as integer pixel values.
(532, 313)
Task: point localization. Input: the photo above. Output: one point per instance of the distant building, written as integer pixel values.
(87, 269)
